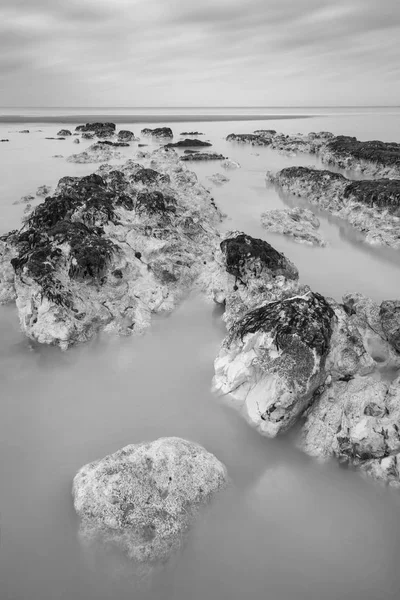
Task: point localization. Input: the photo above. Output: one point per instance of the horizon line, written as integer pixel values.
(207, 107)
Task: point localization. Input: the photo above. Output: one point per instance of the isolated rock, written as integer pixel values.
(200, 156)
(188, 143)
(299, 223)
(158, 132)
(230, 164)
(97, 152)
(372, 207)
(24, 131)
(145, 497)
(218, 178)
(4, 140)
(100, 129)
(76, 141)
(64, 132)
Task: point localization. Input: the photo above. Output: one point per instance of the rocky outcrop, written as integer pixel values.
(200, 156)
(299, 223)
(158, 132)
(7, 276)
(102, 130)
(64, 132)
(110, 249)
(145, 497)
(370, 206)
(374, 158)
(98, 152)
(188, 143)
(390, 320)
(124, 135)
(191, 133)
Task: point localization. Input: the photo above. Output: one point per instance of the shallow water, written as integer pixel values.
(288, 528)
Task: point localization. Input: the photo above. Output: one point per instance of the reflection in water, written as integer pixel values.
(287, 529)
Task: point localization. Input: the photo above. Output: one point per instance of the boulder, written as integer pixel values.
(158, 132)
(188, 143)
(99, 129)
(200, 156)
(64, 132)
(127, 136)
(145, 497)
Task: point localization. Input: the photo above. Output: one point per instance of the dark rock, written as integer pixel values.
(154, 202)
(117, 144)
(88, 135)
(5, 140)
(126, 135)
(382, 193)
(191, 133)
(247, 257)
(64, 132)
(188, 143)
(161, 132)
(202, 156)
(382, 153)
(99, 129)
(24, 131)
(53, 138)
(149, 176)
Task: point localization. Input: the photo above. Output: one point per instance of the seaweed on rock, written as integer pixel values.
(384, 153)
(310, 317)
(382, 193)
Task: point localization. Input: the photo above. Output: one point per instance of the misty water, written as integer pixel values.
(288, 528)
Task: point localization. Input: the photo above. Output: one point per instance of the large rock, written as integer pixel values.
(202, 156)
(272, 360)
(158, 132)
(110, 249)
(64, 132)
(372, 207)
(299, 223)
(145, 497)
(100, 129)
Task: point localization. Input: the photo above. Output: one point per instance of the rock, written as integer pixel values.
(145, 497)
(372, 207)
(191, 133)
(5, 140)
(76, 258)
(188, 143)
(299, 223)
(100, 129)
(159, 132)
(218, 178)
(25, 199)
(43, 190)
(24, 131)
(64, 132)
(390, 320)
(7, 275)
(98, 152)
(142, 145)
(76, 141)
(127, 136)
(230, 164)
(265, 132)
(88, 135)
(55, 138)
(115, 144)
(272, 360)
(202, 156)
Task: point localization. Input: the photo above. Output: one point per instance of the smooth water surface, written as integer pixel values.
(288, 528)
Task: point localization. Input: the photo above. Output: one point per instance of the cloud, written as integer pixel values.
(217, 52)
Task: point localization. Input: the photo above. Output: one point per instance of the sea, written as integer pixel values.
(288, 527)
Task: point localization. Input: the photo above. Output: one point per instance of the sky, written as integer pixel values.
(127, 53)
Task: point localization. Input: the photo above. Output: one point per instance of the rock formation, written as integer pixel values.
(144, 497)
(188, 143)
(299, 223)
(100, 129)
(158, 132)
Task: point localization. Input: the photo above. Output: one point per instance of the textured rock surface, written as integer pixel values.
(218, 178)
(43, 190)
(299, 223)
(110, 249)
(100, 129)
(202, 156)
(145, 497)
(374, 158)
(7, 277)
(127, 136)
(188, 143)
(372, 207)
(64, 132)
(158, 132)
(97, 152)
(390, 320)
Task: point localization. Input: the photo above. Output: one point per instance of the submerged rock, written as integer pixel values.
(25, 199)
(5, 140)
(76, 141)
(218, 178)
(188, 143)
(191, 133)
(43, 190)
(98, 152)
(99, 129)
(372, 207)
(230, 164)
(24, 131)
(159, 132)
(299, 223)
(109, 249)
(64, 132)
(145, 497)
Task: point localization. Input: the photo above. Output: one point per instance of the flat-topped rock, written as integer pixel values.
(145, 497)
(99, 129)
(188, 143)
(200, 156)
(298, 223)
(191, 133)
(370, 206)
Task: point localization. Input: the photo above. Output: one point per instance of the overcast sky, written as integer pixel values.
(199, 52)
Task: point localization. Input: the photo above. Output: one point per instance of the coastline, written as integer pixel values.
(144, 118)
